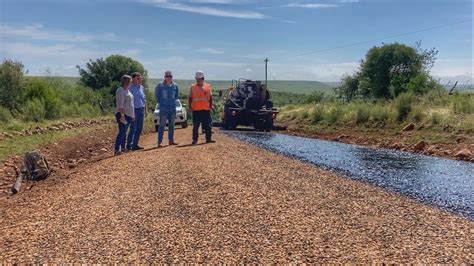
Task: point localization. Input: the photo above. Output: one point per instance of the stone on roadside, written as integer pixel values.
(420, 146)
(463, 154)
(103, 150)
(432, 149)
(409, 127)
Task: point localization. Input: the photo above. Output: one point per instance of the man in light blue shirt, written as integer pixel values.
(167, 92)
(139, 101)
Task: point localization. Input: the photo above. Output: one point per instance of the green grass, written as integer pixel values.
(434, 114)
(297, 87)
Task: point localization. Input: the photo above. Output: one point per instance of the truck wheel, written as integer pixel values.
(230, 123)
(156, 128)
(184, 124)
(268, 124)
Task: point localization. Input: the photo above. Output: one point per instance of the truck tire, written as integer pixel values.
(229, 123)
(268, 124)
(156, 128)
(184, 124)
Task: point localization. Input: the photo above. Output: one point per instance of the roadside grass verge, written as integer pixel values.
(436, 117)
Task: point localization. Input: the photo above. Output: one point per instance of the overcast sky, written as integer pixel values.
(303, 39)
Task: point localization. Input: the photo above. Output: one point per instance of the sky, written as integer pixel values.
(228, 39)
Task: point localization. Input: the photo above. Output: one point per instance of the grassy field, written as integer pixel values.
(297, 87)
(282, 92)
(437, 116)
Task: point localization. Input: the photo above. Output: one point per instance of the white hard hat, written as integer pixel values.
(199, 74)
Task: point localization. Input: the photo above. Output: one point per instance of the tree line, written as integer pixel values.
(35, 99)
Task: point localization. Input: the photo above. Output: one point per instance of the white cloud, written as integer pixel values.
(39, 32)
(210, 51)
(205, 10)
(349, 1)
(59, 56)
(223, 2)
(312, 6)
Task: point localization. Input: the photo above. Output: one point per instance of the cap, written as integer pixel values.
(199, 74)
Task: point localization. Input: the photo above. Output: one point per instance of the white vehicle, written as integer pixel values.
(181, 115)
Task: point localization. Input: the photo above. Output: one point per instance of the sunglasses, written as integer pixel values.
(168, 76)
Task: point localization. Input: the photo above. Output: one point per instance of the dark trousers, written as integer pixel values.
(136, 128)
(122, 134)
(201, 118)
(210, 123)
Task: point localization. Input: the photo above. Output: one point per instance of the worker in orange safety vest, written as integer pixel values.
(200, 102)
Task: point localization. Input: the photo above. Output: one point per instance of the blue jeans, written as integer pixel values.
(170, 116)
(122, 134)
(136, 128)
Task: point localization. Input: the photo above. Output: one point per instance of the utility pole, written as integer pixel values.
(266, 63)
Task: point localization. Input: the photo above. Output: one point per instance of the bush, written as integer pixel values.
(41, 89)
(334, 114)
(380, 113)
(434, 96)
(417, 114)
(403, 106)
(318, 114)
(463, 105)
(315, 97)
(5, 115)
(436, 118)
(303, 114)
(11, 83)
(34, 110)
(362, 114)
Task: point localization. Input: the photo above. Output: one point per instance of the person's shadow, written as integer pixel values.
(190, 145)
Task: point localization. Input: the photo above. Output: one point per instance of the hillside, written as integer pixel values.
(298, 87)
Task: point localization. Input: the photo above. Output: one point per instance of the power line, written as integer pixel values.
(374, 40)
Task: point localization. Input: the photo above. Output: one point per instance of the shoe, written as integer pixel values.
(159, 145)
(210, 141)
(173, 143)
(117, 153)
(136, 148)
(194, 143)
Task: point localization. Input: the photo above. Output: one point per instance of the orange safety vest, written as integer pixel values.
(201, 97)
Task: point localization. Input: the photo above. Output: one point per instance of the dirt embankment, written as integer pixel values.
(64, 126)
(457, 146)
(65, 155)
(226, 202)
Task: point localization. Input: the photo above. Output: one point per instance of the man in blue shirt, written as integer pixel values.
(167, 92)
(139, 101)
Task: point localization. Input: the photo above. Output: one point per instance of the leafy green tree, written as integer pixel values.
(102, 73)
(349, 87)
(95, 75)
(387, 70)
(11, 83)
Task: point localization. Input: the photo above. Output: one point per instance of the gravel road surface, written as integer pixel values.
(222, 202)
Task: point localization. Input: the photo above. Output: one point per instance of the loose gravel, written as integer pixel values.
(222, 202)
